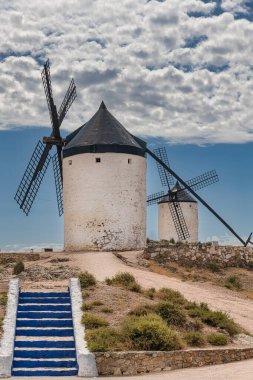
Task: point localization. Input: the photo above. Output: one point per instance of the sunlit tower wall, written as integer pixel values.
(166, 226)
(104, 187)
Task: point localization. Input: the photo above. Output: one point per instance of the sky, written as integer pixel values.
(176, 73)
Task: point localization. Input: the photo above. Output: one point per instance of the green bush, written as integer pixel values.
(91, 321)
(171, 313)
(171, 295)
(105, 339)
(150, 332)
(142, 310)
(18, 267)
(217, 339)
(213, 318)
(86, 279)
(126, 280)
(233, 283)
(195, 339)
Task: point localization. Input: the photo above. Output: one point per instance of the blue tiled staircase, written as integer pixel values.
(44, 343)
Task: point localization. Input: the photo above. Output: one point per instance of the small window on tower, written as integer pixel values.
(70, 162)
(98, 159)
(129, 160)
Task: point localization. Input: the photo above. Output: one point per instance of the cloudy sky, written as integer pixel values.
(176, 72)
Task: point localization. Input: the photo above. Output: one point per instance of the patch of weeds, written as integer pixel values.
(18, 267)
(150, 293)
(171, 268)
(126, 280)
(195, 339)
(171, 295)
(91, 321)
(171, 313)
(233, 283)
(86, 279)
(217, 339)
(214, 267)
(107, 310)
(105, 339)
(97, 303)
(151, 333)
(86, 306)
(142, 310)
(3, 299)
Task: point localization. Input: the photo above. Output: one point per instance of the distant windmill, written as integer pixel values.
(178, 212)
(169, 171)
(41, 157)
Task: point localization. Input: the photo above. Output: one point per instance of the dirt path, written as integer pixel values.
(105, 264)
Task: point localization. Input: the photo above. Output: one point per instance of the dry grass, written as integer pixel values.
(244, 276)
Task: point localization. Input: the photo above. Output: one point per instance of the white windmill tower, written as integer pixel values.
(104, 187)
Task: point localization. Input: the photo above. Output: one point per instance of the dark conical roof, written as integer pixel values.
(102, 133)
(179, 194)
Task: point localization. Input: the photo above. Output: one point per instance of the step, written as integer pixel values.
(71, 372)
(44, 300)
(45, 344)
(44, 323)
(43, 294)
(44, 315)
(44, 363)
(44, 354)
(44, 308)
(41, 332)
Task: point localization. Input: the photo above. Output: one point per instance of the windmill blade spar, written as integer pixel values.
(166, 178)
(202, 180)
(58, 182)
(151, 199)
(179, 221)
(33, 176)
(67, 101)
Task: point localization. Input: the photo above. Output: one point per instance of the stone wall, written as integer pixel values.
(200, 254)
(134, 363)
(6, 258)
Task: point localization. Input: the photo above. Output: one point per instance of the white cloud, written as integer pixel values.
(134, 55)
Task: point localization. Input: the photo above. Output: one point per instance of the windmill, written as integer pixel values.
(178, 198)
(169, 171)
(41, 157)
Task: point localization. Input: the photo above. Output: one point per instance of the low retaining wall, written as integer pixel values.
(85, 359)
(9, 328)
(134, 363)
(201, 255)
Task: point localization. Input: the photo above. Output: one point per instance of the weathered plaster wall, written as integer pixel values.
(104, 202)
(134, 363)
(166, 226)
(200, 255)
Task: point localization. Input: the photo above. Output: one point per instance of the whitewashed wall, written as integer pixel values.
(166, 227)
(105, 202)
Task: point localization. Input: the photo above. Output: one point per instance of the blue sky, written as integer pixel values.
(177, 73)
